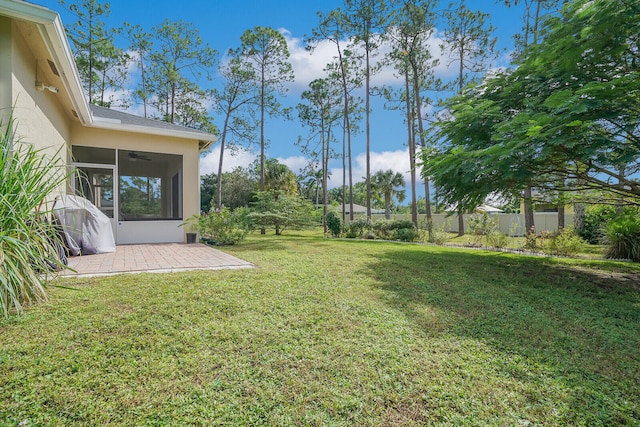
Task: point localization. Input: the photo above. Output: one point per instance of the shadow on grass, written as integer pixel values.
(581, 323)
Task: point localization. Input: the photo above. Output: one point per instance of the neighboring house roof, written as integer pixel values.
(54, 38)
(489, 209)
(356, 208)
(361, 209)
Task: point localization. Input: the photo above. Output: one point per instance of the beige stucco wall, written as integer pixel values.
(6, 43)
(38, 117)
(92, 137)
(39, 114)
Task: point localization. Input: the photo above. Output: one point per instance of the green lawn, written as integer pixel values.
(334, 332)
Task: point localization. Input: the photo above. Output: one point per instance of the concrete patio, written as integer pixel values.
(154, 258)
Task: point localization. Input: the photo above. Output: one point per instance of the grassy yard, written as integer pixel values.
(338, 333)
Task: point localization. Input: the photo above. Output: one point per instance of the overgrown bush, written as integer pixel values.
(28, 241)
(623, 238)
(242, 217)
(565, 243)
(334, 223)
(595, 220)
(357, 228)
(482, 224)
(437, 235)
(402, 230)
(382, 229)
(407, 234)
(220, 227)
(497, 239)
(531, 240)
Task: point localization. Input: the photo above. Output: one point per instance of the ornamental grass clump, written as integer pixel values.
(623, 238)
(28, 241)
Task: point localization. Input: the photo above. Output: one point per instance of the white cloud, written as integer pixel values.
(243, 157)
(232, 159)
(310, 65)
(398, 161)
(295, 163)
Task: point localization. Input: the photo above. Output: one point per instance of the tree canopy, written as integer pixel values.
(566, 118)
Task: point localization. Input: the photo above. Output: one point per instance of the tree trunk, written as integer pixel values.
(412, 151)
(529, 223)
(578, 219)
(222, 140)
(368, 130)
(418, 110)
(560, 218)
(262, 100)
(460, 222)
(348, 131)
(344, 173)
(387, 206)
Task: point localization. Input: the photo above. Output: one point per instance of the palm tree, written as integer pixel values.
(386, 184)
(310, 184)
(278, 177)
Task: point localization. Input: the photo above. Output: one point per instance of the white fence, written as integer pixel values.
(511, 224)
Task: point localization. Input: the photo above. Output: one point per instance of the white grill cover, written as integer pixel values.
(86, 229)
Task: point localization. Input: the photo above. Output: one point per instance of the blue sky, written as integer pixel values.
(221, 23)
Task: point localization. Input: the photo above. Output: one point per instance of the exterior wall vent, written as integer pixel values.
(53, 67)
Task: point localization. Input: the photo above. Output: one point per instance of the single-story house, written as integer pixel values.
(488, 209)
(142, 173)
(359, 209)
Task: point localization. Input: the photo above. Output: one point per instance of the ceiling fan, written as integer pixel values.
(134, 156)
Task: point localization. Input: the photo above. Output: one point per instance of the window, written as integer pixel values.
(148, 186)
(105, 156)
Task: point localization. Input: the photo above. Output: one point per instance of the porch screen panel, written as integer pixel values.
(145, 186)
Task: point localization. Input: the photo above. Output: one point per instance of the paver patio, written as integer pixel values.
(157, 258)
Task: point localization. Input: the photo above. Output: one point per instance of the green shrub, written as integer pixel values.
(402, 230)
(407, 234)
(596, 218)
(220, 227)
(357, 228)
(531, 240)
(334, 223)
(566, 243)
(242, 216)
(497, 240)
(623, 238)
(382, 229)
(437, 235)
(401, 223)
(482, 224)
(28, 241)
